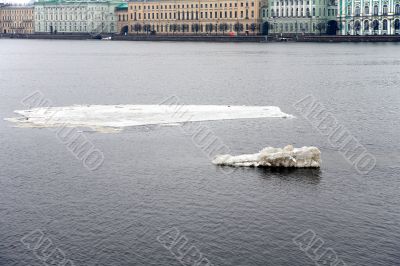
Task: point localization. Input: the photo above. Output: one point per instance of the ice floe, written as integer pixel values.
(103, 117)
(274, 157)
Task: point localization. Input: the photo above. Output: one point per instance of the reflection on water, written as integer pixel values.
(305, 175)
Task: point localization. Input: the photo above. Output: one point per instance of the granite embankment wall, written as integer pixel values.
(351, 38)
(209, 38)
(194, 38)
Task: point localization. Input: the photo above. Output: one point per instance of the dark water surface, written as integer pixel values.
(155, 178)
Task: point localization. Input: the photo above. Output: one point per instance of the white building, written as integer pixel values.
(369, 17)
(65, 16)
(300, 17)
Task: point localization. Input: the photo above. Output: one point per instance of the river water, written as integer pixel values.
(155, 178)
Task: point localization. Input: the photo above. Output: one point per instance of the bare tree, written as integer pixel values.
(185, 27)
(357, 27)
(375, 26)
(321, 27)
(209, 27)
(174, 28)
(253, 27)
(147, 28)
(238, 27)
(137, 27)
(223, 27)
(195, 27)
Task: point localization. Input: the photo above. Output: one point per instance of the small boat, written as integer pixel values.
(106, 38)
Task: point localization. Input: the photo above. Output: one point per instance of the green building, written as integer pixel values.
(63, 16)
(300, 17)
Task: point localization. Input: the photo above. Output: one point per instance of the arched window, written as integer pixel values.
(375, 10)
(366, 25)
(357, 26)
(357, 11)
(397, 24)
(375, 25)
(385, 24)
(366, 10)
(397, 9)
(385, 10)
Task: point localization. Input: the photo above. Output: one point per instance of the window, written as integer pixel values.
(375, 25)
(357, 26)
(366, 10)
(375, 10)
(397, 24)
(357, 11)
(385, 24)
(397, 9)
(385, 10)
(366, 25)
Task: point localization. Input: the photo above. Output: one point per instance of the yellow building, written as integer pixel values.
(16, 19)
(195, 17)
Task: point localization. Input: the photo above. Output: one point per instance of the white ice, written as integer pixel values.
(100, 117)
(274, 157)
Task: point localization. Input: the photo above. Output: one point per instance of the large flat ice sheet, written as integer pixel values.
(119, 116)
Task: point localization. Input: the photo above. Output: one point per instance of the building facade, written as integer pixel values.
(300, 17)
(16, 19)
(74, 16)
(121, 12)
(195, 17)
(369, 17)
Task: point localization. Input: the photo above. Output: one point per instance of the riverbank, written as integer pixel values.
(209, 38)
(174, 38)
(350, 38)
